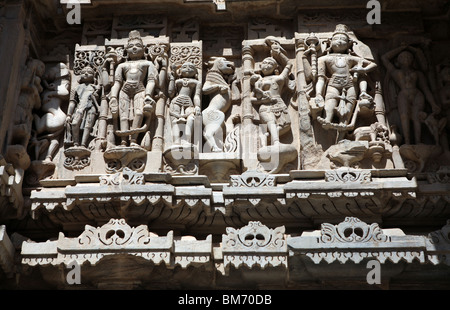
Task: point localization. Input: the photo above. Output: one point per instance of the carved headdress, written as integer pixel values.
(134, 35)
(341, 29)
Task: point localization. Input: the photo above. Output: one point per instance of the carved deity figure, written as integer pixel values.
(413, 92)
(84, 107)
(340, 75)
(185, 91)
(131, 95)
(267, 92)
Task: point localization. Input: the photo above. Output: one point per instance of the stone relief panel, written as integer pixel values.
(269, 105)
(276, 102)
(414, 95)
(339, 80)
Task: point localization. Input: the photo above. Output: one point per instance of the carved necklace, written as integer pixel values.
(340, 61)
(185, 82)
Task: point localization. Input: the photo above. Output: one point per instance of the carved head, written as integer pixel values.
(135, 47)
(188, 70)
(221, 64)
(340, 41)
(269, 66)
(405, 59)
(87, 75)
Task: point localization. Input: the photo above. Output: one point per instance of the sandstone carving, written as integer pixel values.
(220, 92)
(132, 94)
(271, 145)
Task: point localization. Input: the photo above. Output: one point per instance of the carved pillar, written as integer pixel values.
(306, 130)
(249, 134)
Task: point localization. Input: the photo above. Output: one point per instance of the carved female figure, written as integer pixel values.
(267, 92)
(185, 106)
(413, 91)
(343, 72)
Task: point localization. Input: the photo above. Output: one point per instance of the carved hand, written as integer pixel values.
(114, 106)
(149, 100)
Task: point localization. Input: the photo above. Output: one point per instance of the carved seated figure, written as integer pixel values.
(344, 72)
(185, 106)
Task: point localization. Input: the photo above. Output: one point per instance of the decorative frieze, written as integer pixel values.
(354, 240)
(254, 245)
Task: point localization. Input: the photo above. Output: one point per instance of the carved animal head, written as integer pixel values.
(221, 64)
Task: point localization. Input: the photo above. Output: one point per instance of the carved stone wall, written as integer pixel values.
(221, 141)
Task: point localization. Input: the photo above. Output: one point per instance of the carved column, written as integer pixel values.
(249, 134)
(306, 130)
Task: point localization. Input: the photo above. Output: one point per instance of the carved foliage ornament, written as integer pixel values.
(352, 229)
(252, 179)
(115, 232)
(254, 237)
(348, 175)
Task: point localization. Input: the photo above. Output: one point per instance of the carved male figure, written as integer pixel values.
(131, 94)
(344, 72)
(83, 108)
(185, 106)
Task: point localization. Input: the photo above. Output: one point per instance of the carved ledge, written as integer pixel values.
(354, 240)
(254, 245)
(438, 245)
(118, 238)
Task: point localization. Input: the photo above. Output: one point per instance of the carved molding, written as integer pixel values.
(254, 245)
(354, 240)
(352, 229)
(347, 175)
(117, 238)
(252, 179)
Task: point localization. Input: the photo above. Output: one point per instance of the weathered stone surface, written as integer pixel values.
(265, 144)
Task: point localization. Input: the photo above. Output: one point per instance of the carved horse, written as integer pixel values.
(220, 93)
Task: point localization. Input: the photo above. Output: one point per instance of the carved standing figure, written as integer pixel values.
(50, 125)
(185, 92)
(267, 92)
(134, 85)
(413, 93)
(84, 107)
(340, 75)
(218, 88)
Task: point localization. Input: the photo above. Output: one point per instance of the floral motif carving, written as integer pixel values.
(348, 175)
(252, 179)
(352, 229)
